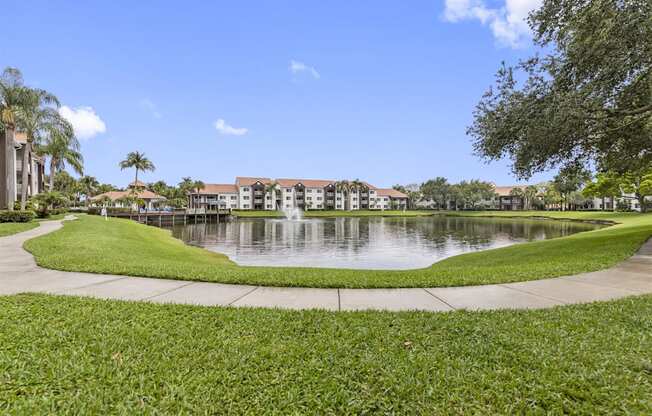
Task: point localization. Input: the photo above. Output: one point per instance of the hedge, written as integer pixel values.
(16, 216)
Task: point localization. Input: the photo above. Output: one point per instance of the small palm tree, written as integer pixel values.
(88, 187)
(272, 189)
(13, 96)
(138, 161)
(343, 187)
(62, 147)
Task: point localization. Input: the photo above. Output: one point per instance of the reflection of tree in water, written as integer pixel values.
(429, 238)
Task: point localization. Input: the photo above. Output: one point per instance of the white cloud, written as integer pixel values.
(84, 120)
(297, 67)
(148, 105)
(507, 23)
(225, 129)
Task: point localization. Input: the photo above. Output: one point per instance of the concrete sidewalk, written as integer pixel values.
(19, 273)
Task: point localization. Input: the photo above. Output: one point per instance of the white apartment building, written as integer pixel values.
(257, 193)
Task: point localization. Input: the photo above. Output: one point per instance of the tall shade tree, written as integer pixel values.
(438, 190)
(139, 162)
(587, 98)
(62, 147)
(35, 118)
(13, 96)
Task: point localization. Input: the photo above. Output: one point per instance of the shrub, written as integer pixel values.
(16, 216)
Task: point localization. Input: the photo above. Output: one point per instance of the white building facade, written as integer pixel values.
(260, 193)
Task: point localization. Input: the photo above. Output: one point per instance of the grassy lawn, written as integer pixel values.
(119, 246)
(9, 228)
(332, 214)
(82, 356)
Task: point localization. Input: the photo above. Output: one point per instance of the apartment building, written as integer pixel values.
(11, 174)
(259, 193)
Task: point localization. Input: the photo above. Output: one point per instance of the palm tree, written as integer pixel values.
(138, 161)
(62, 147)
(34, 119)
(358, 185)
(88, 187)
(343, 187)
(272, 189)
(13, 96)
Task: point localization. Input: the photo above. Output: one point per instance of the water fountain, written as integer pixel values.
(293, 214)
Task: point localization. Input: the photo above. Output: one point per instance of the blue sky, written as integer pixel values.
(377, 90)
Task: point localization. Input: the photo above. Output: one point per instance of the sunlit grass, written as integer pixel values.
(119, 246)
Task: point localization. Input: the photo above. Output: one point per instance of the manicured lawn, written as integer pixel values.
(81, 356)
(9, 228)
(117, 246)
(331, 214)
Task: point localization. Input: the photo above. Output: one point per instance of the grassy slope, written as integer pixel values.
(331, 214)
(82, 356)
(9, 228)
(125, 247)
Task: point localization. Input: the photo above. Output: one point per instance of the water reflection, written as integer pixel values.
(368, 243)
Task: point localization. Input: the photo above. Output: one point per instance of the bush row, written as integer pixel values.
(16, 216)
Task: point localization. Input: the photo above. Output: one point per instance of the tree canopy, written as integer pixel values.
(586, 98)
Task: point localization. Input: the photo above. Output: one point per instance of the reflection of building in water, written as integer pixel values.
(400, 243)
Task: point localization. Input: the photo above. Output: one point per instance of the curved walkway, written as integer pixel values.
(19, 273)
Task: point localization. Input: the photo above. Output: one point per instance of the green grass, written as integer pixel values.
(333, 214)
(10, 228)
(82, 356)
(124, 247)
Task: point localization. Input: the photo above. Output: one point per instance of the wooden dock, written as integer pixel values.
(179, 217)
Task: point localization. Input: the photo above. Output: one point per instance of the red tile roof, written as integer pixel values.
(505, 190)
(139, 184)
(248, 181)
(114, 195)
(218, 188)
(392, 193)
(308, 183)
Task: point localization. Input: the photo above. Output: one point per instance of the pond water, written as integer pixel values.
(365, 243)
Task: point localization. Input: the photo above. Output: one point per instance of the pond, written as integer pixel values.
(366, 243)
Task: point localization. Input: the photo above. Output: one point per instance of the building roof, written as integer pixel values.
(308, 183)
(115, 195)
(248, 181)
(506, 190)
(392, 193)
(139, 184)
(218, 188)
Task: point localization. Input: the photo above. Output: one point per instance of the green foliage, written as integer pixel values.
(586, 98)
(67, 355)
(438, 190)
(16, 216)
(126, 247)
(47, 203)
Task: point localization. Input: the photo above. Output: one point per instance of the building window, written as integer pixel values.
(319, 198)
(319, 191)
(339, 198)
(234, 206)
(309, 198)
(319, 206)
(245, 189)
(269, 206)
(339, 206)
(355, 206)
(288, 190)
(233, 197)
(221, 197)
(309, 191)
(287, 198)
(245, 206)
(355, 199)
(245, 197)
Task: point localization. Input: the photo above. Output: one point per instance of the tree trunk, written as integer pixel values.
(613, 203)
(53, 168)
(641, 202)
(7, 169)
(27, 150)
